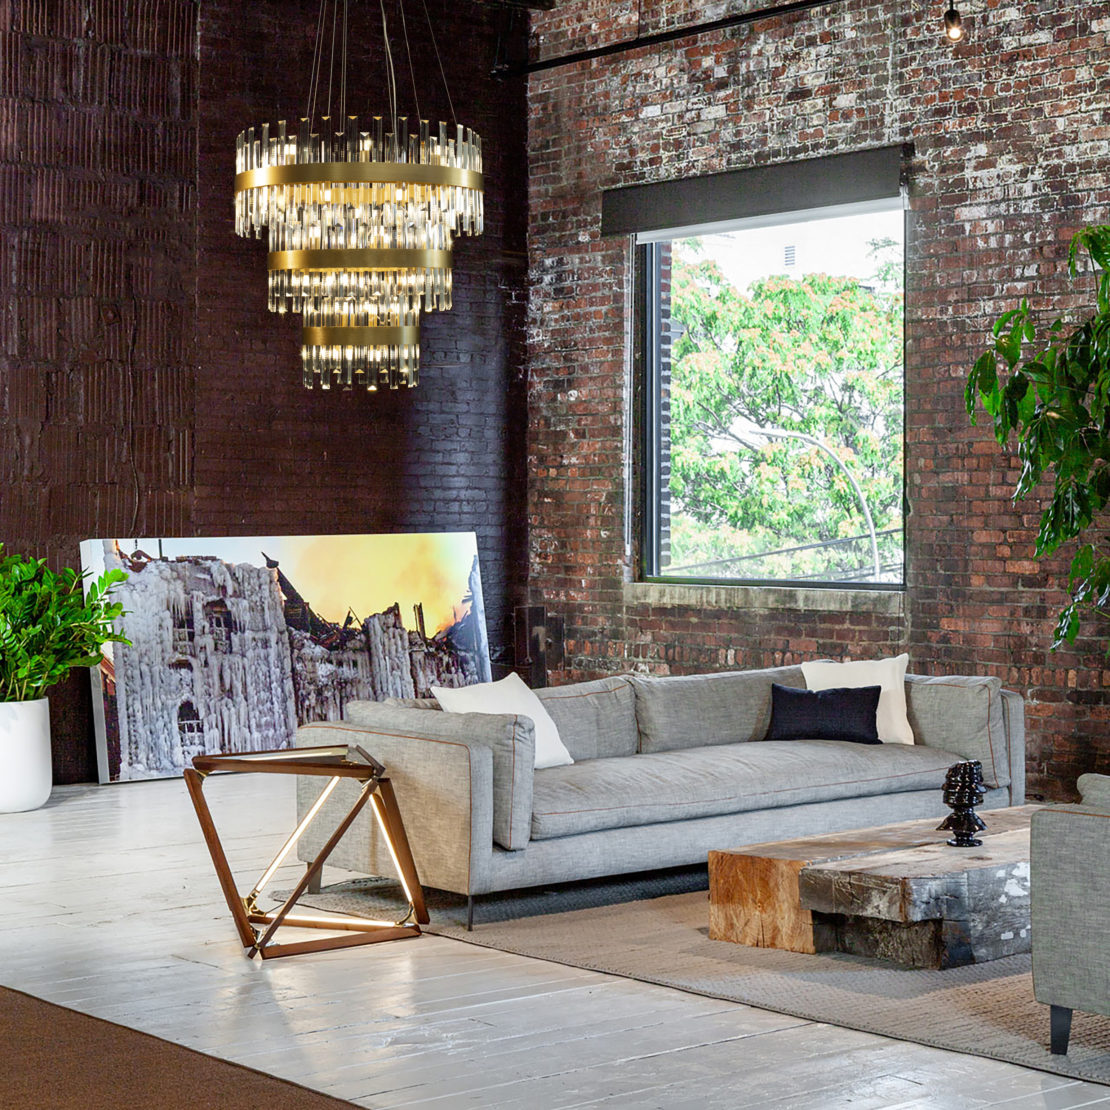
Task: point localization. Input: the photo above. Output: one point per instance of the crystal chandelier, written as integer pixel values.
(360, 223)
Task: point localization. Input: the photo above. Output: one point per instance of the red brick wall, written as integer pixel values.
(145, 389)
(1011, 146)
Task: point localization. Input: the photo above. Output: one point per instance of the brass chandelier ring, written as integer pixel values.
(379, 258)
(361, 337)
(357, 173)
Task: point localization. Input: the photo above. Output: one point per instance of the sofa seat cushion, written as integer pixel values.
(708, 781)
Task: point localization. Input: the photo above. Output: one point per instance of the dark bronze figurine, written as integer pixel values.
(963, 791)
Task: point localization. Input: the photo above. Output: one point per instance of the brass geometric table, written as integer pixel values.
(335, 763)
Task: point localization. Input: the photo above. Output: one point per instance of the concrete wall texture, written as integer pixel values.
(1011, 142)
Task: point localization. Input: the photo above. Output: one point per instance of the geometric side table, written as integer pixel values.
(257, 928)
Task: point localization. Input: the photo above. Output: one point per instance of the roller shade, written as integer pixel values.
(837, 180)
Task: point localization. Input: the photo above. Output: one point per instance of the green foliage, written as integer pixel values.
(818, 358)
(47, 627)
(1056, 403)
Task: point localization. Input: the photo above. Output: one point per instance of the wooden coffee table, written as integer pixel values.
(895, 892)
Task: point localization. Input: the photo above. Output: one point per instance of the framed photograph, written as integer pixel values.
(235, 641)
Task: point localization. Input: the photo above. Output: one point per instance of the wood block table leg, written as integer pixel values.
(754, 900)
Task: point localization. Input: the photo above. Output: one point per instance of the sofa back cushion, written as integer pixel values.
(694, 711)
(961, 714)
(595, 719)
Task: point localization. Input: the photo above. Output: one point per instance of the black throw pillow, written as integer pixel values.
(843, 713)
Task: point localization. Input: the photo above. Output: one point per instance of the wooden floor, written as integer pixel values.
(109, 905)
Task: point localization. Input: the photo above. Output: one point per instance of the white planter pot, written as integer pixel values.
(25, 773)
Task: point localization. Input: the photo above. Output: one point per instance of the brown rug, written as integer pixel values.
(641, 928)
(59, 1059)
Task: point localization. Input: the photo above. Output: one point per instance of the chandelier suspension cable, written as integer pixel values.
(331, 58)
(343, 85)
(390, 76)
(317, 53)
(408, 52)
(439, 60)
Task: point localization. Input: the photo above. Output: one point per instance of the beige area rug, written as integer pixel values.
(654, 928)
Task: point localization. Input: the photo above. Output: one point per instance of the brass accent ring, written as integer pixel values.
(357, 173)
(361, 337)
(368, 258)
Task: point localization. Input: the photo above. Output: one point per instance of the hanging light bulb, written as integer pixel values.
(953, 25)
(360, 224)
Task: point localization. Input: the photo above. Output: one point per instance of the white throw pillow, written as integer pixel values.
(889, 674)
(509, 695)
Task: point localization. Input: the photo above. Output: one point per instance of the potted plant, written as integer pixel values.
(47, 627)
(1056, 402)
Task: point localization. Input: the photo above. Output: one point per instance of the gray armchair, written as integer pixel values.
(1070, 883)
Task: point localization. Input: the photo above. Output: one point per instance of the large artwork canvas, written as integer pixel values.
(237, 641)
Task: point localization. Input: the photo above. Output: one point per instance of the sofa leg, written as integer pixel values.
(314, 883)
(470, 913)
(1060, 1025)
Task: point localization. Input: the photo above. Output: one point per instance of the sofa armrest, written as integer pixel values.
(1013, 714)
(968, 716)
(510, 738)
(1070, 883)
(444, 791)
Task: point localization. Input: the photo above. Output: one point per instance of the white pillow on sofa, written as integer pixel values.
(509, 695)
(889, 674)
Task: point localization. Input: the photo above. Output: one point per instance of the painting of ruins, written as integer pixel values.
(237, 641)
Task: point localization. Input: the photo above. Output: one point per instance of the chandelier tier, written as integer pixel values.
(360, 227)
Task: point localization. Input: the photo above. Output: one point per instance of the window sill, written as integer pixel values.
(696, 596)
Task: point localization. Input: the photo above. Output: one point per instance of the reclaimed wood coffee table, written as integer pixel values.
(896, 892)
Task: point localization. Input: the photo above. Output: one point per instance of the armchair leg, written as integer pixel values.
(1060, 1029)
(314, 883)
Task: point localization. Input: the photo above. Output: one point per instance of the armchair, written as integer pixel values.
(1070, 882)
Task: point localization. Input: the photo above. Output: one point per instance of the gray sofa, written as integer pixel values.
(665, 769)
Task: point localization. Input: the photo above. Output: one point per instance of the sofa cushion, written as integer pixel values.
(703, 782)
(889, 674)
(694, 711)
(511, 738)
(961, 714)
(509, 695)
(847, 714)
(595, 719)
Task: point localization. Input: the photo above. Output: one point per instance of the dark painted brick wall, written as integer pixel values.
(97, 219)
(1012, 142)
(144, 388)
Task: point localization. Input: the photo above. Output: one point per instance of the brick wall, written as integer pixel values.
(145, 388)
(1011, 145)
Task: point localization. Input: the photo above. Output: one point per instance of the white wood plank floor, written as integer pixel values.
(109, 905)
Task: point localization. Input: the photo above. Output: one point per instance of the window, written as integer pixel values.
(773, 353)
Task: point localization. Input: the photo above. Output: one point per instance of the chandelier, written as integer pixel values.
(360, 223)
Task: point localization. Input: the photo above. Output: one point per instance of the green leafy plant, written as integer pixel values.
(48, 627)
(1056, 402)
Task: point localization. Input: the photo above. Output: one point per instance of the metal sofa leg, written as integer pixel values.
(314, 883)
(1060, 1029)
(470, 913)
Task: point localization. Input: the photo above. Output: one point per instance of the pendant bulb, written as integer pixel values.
(953, 25)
